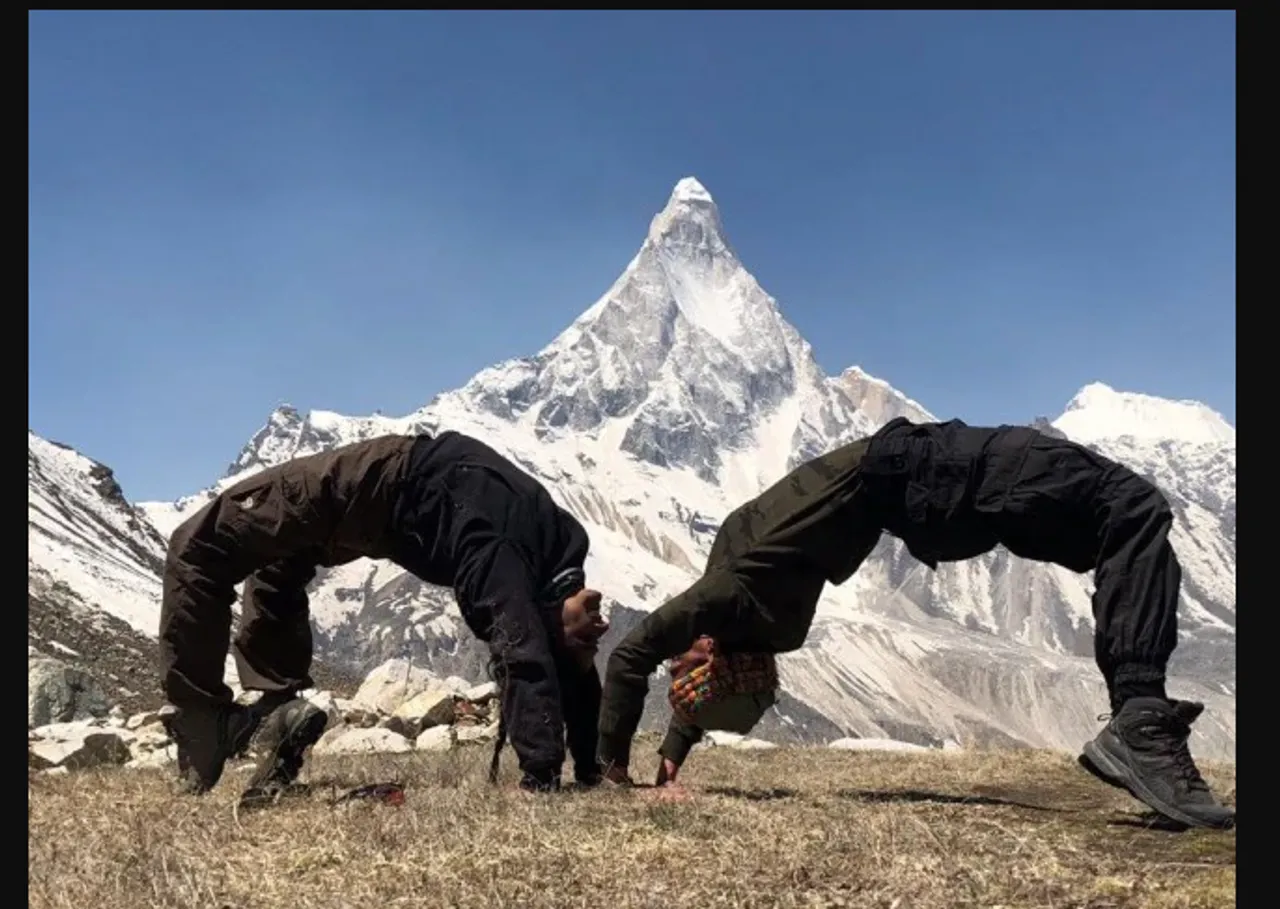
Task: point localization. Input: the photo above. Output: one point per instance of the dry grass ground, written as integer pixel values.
(789, 827)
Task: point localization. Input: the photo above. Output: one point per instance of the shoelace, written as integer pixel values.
(1174, 734)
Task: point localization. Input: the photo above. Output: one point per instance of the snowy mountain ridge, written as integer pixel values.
(682, 392)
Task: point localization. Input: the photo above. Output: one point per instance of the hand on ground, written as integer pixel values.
(668, 792)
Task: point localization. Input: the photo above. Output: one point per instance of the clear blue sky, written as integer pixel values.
(355, 211)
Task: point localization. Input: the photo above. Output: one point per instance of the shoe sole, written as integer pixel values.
(302, 733)
(1115, 773)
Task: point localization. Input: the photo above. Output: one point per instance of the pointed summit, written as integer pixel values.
(690, 222)
(690, 190)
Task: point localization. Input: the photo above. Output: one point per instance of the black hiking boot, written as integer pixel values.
(283, 739)
(206, 737)
(1143, 750)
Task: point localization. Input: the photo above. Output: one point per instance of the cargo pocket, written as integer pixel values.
(254, 510)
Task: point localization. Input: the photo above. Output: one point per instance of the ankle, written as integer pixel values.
(1135, 680)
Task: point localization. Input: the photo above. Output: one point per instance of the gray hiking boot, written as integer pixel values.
(285, 735)
(206, 736)
(1143, 750)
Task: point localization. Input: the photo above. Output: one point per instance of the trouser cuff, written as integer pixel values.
(678, 743)
(1136, 680)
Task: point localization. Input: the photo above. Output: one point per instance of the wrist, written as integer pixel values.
(667, 772)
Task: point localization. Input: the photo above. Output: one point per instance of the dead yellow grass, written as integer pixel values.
(785, 828)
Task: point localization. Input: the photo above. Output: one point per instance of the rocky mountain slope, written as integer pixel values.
(682, 392)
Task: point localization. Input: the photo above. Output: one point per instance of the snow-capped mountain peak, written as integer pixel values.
(690, 219)
(689, 189)
(1098, 412)
(684, 360)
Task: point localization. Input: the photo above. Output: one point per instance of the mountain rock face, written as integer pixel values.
(681, 393)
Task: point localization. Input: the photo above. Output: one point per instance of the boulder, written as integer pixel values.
(76, 746)
(361, 718)
(437, 738)
(154, 760)
(456, 684)
(391, 684)
(399, 726)
(354, 740)
(58, 693)
(485, 691)
(148, 738)
(475, 733)
(433, 707)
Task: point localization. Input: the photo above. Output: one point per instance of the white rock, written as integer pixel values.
(391, 684)
(347, 708)
(848, 744)
(437, 738)
(147, 738)
(361, 717)
(433, 707)
(476, 733)
(719, 738)
(159, 758)
(482, 692)
(723, 739)
(58, 693)
(76, 746)
(352, 740)
(138, 720)
(456, 684)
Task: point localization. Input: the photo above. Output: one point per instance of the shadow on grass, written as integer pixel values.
(942, 798)
(753, 795)
(1149, 820)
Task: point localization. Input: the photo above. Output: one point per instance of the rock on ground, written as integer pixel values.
(476, 733)
(483, 692)
(354, 740)
(75, 746)
(58, 693)
(433, 707)
(437, 738)
(391, 684)
(734, 740)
